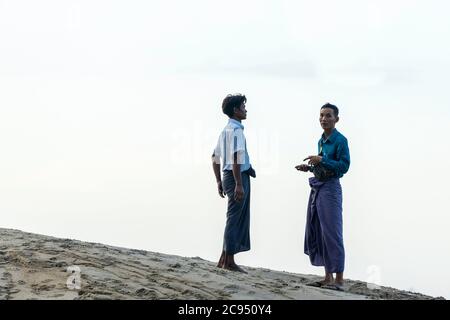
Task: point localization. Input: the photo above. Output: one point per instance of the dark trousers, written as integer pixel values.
(237, 230)
(323, 235)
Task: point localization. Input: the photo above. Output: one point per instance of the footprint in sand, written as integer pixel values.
(148, 293)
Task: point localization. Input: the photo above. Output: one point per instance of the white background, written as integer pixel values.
(109, 112)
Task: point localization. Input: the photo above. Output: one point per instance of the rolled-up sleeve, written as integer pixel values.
(239, 145)
(217, 153)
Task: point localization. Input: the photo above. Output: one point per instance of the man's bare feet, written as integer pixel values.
(329, 279)
(340, 278)
(226, 261)
(320, 283)
(338, 286)
(326, 282)
(234, 267)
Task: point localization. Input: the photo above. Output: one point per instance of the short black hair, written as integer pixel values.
(331, 106)
(232, 101)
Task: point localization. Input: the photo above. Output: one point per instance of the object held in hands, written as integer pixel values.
(321, 173)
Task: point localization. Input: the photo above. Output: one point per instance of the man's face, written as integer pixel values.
(327, 118)
(241, 112)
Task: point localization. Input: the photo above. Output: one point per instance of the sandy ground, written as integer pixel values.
(40, 267)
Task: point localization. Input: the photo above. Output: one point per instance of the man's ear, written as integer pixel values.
(337, 119)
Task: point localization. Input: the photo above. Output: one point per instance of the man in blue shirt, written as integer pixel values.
(232, 148)
(323, 235)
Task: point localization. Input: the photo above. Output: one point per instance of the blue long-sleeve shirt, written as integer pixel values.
(335, 153)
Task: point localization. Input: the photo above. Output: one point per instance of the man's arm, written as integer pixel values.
(216, 169)
(341, 165)
(239, 189)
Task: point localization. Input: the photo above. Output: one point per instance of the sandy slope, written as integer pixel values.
(38, 267)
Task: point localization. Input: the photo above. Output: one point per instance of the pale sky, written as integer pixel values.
(109, 112)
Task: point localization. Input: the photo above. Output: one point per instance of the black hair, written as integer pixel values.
(331, 106)
(232, 101)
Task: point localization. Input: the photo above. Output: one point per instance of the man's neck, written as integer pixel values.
(327, 132)
(239, 120)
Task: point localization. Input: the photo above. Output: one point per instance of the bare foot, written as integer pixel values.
(220, 264)
(234, 267)
(329, 280)
(339, 286)
(320, 283)
(326, 282)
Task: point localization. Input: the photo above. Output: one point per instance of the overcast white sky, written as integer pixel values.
(109, 111)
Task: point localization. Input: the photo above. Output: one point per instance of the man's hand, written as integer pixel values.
(302, 167)
(313, 160)
(238, 193)
(220, 189)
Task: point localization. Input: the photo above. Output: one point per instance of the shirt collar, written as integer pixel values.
(331, 138)
(236, 123)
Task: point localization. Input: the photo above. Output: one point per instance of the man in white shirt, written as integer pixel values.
(232, 149)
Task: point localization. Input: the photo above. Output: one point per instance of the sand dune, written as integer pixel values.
(34, 266)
